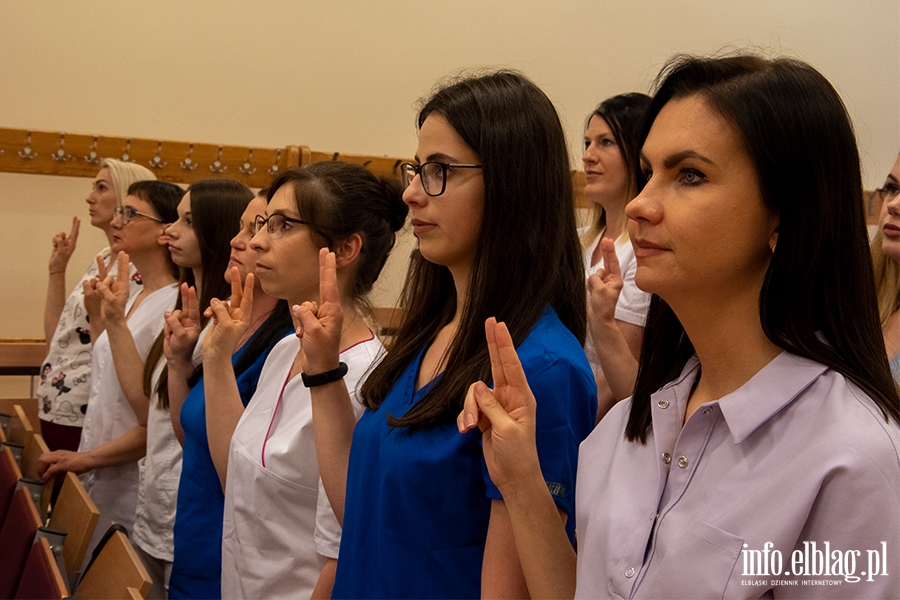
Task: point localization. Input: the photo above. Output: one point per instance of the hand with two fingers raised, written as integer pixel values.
(63, 247)
(230, 320)
(115, 291)
(93, 298)
(605, 285)
(182, 329)
(506, 416)
(319, 326)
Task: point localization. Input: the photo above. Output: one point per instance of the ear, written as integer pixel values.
(346, 251)
(163, 239)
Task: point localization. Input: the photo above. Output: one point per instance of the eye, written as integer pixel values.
(692, 177)
(647, 172)
(606, 142)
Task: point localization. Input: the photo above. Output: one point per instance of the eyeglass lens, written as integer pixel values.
(431, 175)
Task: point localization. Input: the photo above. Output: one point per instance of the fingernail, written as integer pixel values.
(214, 301)
(299, 332)
(295, 308)
(470, 420)
(167, 314)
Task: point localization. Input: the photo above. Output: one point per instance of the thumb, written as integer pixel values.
(489, 405)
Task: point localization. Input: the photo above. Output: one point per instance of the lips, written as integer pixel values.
(890, 230)
(420, 226)
(645, 248)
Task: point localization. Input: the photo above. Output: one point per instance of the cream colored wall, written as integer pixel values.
(345, 76)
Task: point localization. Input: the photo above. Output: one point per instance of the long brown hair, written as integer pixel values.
(527, 255)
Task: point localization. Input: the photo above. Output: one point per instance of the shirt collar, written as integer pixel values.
(755, 402)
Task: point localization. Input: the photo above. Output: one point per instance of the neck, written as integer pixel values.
(263, 305)
(155, 269)
(198, 279)
(729, 341)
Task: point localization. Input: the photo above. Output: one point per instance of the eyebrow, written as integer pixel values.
(673, 159)
(892, 178)
(100, 181)
(437, 157)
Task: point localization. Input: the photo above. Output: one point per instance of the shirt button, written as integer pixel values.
(629, 572)
(667, 458)
(682, 461)
(663, 404)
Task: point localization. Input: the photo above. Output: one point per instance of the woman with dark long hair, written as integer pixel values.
(197, 555)
(764, 423)
(490, 197)
(280, 537)
(198, 240)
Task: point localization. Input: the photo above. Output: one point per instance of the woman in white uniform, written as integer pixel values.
(208, 217)
(617, 309)
(113, 439)
(280, 537)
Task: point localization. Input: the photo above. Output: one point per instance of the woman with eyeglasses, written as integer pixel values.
(616, 307)
(197, 559)
(198, 244)
(758, 457)
(280, 536)
(886, 260)
(113, 438)
(66, 377)
(490, 198)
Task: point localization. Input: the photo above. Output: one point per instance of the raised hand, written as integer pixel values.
(605, 285)
(115, 291)
(92, 297)
(230, 319)
(63, 247)
(319, 327)
(505, 415)
(182, 328)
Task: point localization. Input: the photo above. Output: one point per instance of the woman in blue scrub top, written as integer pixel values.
(490, 198)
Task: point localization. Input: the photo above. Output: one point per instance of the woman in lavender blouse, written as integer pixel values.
(758, 456)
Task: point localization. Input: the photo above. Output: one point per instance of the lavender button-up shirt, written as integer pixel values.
(787, 487)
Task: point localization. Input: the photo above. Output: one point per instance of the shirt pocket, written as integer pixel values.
(699, 565)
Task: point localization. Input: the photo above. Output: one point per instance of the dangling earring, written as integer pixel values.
(772, 247)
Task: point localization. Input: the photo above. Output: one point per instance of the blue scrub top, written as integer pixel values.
(197, 564)
(418, 503)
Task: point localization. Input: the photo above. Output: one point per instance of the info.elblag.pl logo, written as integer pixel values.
(815, 561)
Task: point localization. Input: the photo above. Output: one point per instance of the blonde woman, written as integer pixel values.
(886, 261)
(66, 375)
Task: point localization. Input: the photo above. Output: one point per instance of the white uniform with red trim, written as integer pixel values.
(279, 528)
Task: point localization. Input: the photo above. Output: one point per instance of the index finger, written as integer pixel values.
(101, 268)
(76, 225)
(122, 267)
(189, 304)
(247, 294)
(236, 292)
(490, 333)
(328, 288)
(509, 359)
(610, 259)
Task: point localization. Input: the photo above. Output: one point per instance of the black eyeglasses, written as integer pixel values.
(432, 174)
(276, 225)
(127, 213)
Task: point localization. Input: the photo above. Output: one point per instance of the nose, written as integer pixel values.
(170, 231)
(116, 223)
(414, 194)
(259, 241)
(589, 156)
(238, 242)
(645, 206)
(893, 205)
